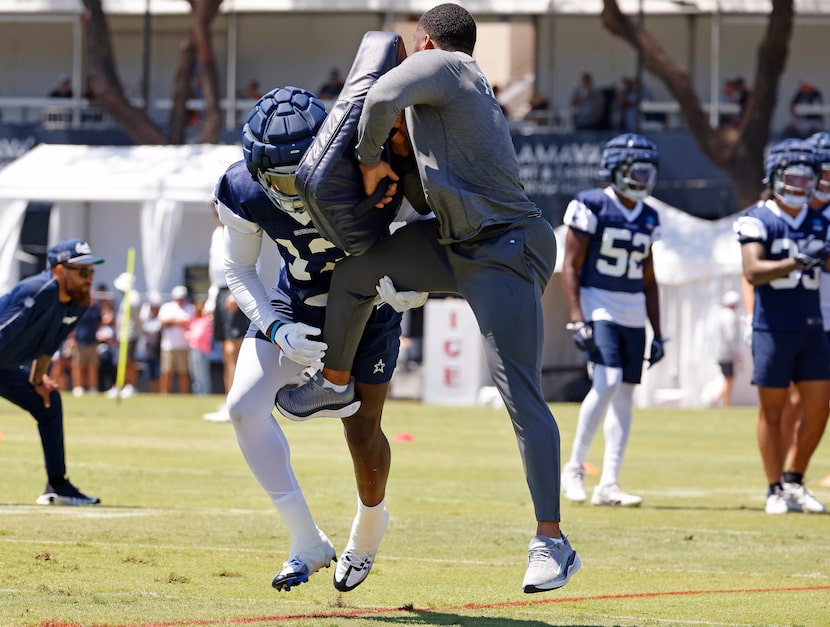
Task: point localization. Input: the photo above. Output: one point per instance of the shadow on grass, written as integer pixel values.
(428, 617)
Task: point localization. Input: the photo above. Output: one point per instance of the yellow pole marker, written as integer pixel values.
(121, 372)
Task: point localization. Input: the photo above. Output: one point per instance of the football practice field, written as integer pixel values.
(185, 535)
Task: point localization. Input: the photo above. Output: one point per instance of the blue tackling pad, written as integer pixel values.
(328, 177)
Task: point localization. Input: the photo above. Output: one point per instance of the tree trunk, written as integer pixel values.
(196, 70)
(737, 151)
(105, 84)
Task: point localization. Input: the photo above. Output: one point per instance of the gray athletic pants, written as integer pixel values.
(501, 274)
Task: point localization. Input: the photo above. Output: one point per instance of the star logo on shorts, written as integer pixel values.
(379, 367)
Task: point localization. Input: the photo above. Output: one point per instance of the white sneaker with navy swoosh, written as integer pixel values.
(550, 564)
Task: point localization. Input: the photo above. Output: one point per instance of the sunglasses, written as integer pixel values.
(84, 271)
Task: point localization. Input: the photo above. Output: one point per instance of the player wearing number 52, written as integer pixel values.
(608, 274)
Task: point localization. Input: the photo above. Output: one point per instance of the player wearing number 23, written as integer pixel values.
(609, 281)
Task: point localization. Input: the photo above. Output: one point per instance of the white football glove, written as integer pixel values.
(292, 339)
(399, 301)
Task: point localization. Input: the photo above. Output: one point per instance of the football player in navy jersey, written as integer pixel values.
(256, 198)
(35, 318)
(608, 275)
(784, 246)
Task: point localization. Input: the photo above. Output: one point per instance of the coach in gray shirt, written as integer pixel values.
(488, 243)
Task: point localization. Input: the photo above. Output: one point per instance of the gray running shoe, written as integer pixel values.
(800, 499)
(312, 400)
(550, 564)
(67, 494)
(301, 566)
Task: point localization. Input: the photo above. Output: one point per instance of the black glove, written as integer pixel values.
(584, 336)
(658, 351)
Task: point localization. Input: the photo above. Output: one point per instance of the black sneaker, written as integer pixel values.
(67, 494)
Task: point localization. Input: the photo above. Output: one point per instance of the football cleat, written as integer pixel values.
(573, 482)
(800, 499)
(357, 558)
(305, 563)
(776, 502)
(67, 494)
(611, 494)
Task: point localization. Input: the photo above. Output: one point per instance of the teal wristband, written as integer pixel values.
(274, 328)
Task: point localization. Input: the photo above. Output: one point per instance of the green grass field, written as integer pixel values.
(185, 536)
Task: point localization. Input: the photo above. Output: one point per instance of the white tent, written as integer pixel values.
(695, 262)
(156, 199)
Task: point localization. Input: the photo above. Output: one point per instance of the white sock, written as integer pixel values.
(298, 519)
(369, 526)
(328, 385)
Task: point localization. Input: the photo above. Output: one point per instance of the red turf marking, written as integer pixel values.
(469, 606)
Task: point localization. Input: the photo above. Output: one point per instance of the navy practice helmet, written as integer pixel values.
(791, 169)
(623, 152)
(279, 129)
(821, 143)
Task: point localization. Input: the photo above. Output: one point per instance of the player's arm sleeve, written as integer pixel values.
(243, 242)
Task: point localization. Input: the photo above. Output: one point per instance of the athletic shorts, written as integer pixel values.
(175, 361)
(727, 368)
(377, 354)
(781, 358)
(620, 347)
(228, 326)
(86, 355)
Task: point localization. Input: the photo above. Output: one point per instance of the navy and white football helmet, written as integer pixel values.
(821, 142)
(279, 129)
(791, 170)
(630, 162)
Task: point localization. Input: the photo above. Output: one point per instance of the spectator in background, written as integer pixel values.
(629, 98)
(804, 124)
(229, 322)
(735, 92)
(251, 91)
(587, 104)
(539, 109)
(200, 339)
(85, 360)
(151, 340)
(175, 316)
(62, 364)
(332, 87)
(105, 336)
(63, 89)
(730, 339)
(35, 317)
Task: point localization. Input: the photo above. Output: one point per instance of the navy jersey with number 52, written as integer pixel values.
(611, 279)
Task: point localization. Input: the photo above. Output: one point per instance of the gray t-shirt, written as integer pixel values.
(466, 159)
